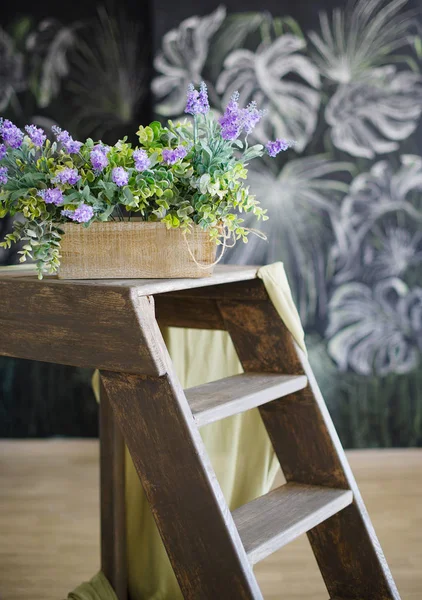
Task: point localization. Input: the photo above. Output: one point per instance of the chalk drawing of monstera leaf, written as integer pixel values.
(281, 80)
(298, 199)
(48, 47)
(181, 60)
(379, 204)
(11, 70)
(376, 330)
(390, 250)
(370, 116)
(361, 37)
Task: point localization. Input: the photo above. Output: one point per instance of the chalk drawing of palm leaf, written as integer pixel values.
(378, 200)
(299, 199)
(282, 81)
(233, 34)
(48, 48)
(370, 116)
(181, 60)
(11, 70)
(390, 250)
(109, 76)
(376, 330)
(360, 38)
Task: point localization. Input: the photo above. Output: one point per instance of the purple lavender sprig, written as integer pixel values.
(11, 134)
(230, 120)
(249, 117)
(279, 145)
(197, 101)
(82, 214)
(3, 151)
(63, 137)
(36, 134)
(142, 161)
(52, 196)
(98, 157)
(120, 176)
(3, 175)
(67, 175)
(236, 120)
(171, 156)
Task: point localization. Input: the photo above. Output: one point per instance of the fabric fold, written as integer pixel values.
(278, 288)
(98, 588)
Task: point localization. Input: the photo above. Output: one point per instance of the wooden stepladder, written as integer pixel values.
(113, 326)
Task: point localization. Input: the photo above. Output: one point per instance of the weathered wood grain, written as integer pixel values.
(112, 500)
(191, 513)
(232, 395)
(223, 274)
(122, 249)
(277, 518)
(187, 312)
(309, 451)
(248, 289)
(79, 325)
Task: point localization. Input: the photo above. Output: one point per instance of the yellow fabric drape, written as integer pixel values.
(239, 447)
(96, 589)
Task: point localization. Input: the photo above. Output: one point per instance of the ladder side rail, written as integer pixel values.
(309, 451)
(187, 503)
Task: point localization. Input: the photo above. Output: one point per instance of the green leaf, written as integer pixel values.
(203, 183)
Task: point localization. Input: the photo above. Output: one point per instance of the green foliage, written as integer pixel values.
(204, 185)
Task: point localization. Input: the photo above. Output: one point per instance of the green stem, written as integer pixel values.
(195, 132)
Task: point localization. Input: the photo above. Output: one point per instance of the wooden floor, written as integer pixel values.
(49, 535)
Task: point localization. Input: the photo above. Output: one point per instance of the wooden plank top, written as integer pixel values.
(144, 287)
(277, 518)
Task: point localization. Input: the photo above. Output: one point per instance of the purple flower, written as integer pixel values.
(249, 117)
(67, 175)
(142, 162)
(11, 134)
(3, 175)
(63, 137)
(230, 121)
(36, 134)
(235, 119)
(3, 151)
(52, 196)
(203, 98)
(172, 156)
(120, 176)
(82, 214)
(72, 146)
(197, 102)
(99, 158)
(279, 145)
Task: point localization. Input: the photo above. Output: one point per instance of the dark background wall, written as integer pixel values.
(345, 205)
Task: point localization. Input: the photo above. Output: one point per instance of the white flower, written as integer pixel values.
(369, 116)
(181, 60)
(291, 103)
(376, 330)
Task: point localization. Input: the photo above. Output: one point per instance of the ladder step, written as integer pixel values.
(229, 396)
(271, 521)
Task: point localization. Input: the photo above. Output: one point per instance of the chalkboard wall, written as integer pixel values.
(343, 80)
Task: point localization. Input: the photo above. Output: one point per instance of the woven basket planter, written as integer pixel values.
(133, 250)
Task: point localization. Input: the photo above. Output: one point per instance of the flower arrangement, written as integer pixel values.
(185, 173)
